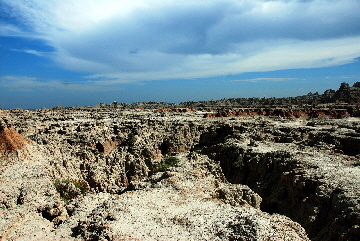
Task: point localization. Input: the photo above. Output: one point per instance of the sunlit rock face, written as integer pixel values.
(113, 172)
(10, 140)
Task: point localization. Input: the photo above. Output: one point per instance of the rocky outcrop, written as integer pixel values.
(347, 94)
(303, 184)
(302, 188)
(107, 146)
(186, 203)
(10, 139)
(30, 205)
(286, 112)
(100, 173)
(344, 95)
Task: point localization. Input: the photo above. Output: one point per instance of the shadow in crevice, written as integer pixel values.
(269, 207)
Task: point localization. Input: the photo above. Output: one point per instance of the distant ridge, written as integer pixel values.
(344, 95)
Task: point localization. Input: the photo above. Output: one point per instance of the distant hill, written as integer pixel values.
(345, 95)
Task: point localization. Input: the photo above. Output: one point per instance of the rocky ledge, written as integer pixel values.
(144, 174)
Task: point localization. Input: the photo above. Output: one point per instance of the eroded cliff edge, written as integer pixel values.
(94, 174)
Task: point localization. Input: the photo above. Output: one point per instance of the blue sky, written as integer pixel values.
(65, 52)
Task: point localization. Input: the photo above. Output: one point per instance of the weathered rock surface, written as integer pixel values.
(94, 174)
(10, 139)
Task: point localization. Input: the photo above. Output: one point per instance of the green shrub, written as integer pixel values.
(239, 162)
(131, 141)
(81, 185)
(67, 195)
(170, 161)
(232, 155)
(58, 181)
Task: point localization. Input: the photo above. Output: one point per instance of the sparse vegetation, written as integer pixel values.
(170, 161)
(82, 186)
(57, 183)
(239, 162)
(231, 156)
(131, 140)
(69, 189)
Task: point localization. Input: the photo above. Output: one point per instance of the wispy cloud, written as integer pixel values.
(30, 51)
(126, 41)
(12, 31)
(266, 79)
(25, 83)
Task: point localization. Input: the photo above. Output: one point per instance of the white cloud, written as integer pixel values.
(134, 40)
(25, 83)
(30, 51)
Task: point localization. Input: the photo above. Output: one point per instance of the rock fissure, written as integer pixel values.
(289, 186)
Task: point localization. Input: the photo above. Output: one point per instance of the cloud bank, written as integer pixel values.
(134, 40)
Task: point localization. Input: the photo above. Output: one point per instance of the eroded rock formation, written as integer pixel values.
(143, 174)
(10, 139)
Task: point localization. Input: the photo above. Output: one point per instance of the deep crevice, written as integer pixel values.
(46, 214)
(165, 147)
(283, 188)
(271, 208)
